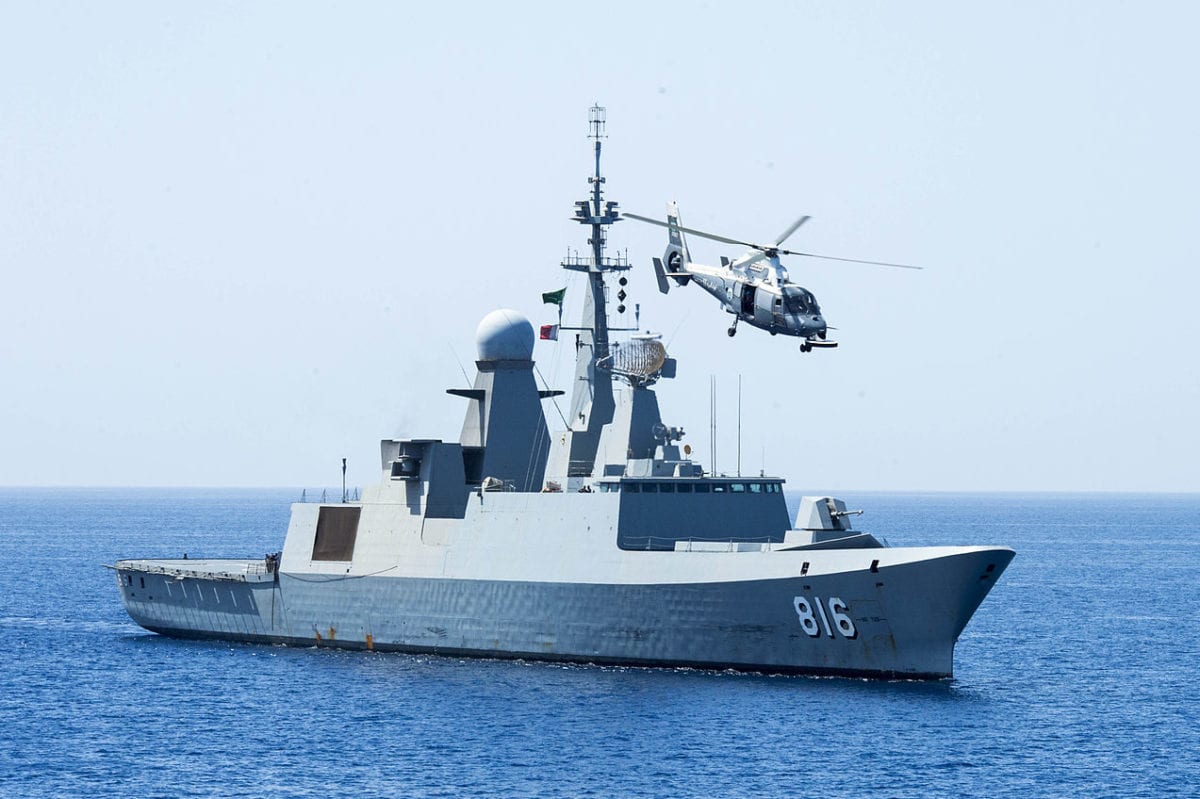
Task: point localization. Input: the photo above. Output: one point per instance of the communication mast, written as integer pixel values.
(592, 400)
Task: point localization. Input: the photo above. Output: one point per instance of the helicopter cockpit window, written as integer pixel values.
(795, 300)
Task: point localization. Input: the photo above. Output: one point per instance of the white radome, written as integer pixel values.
(504, 335)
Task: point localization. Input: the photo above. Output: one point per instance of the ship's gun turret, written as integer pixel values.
(824, 513)
(824, 523)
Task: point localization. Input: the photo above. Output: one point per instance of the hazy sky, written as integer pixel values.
(241, 241)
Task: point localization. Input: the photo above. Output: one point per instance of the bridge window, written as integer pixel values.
(650, 488)
(737, 488)
(702, 488)
(684, 488)
(719, 488)
(667, 488)
(631, 488)
(756, 488)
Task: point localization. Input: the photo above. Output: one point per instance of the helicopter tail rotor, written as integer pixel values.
(675, 236)
(675, 259)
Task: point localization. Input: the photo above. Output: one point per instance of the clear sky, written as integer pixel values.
(241, 241)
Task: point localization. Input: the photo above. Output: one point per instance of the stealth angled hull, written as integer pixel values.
(906, 615)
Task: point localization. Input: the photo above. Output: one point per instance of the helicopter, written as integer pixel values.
(754, 287)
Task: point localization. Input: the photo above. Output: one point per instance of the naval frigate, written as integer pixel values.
(601, 543)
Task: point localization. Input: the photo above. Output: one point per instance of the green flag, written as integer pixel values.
(555, 297)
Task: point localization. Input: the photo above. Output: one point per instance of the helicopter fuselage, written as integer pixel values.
(754, 288)
(759, 300)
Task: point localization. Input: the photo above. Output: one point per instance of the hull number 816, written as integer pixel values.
(817, 616)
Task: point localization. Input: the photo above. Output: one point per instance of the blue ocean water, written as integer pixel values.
(1077, 677)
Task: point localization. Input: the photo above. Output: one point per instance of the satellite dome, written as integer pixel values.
(504, 335)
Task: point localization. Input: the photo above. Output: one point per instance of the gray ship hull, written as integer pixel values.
(905, 618)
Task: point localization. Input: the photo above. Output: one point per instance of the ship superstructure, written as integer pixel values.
(603, 542)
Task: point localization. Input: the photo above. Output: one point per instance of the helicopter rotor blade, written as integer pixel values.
(849, 260)
(794, 227)
(748, 259)
(692, 231)
(769, 251)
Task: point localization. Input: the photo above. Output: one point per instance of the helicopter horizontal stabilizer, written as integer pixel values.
(660, 274)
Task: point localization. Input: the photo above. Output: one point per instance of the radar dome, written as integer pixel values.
(504, 335)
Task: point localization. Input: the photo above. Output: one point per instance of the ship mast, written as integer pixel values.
(592, 399)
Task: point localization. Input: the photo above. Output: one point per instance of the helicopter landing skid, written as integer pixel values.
(808, 345)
